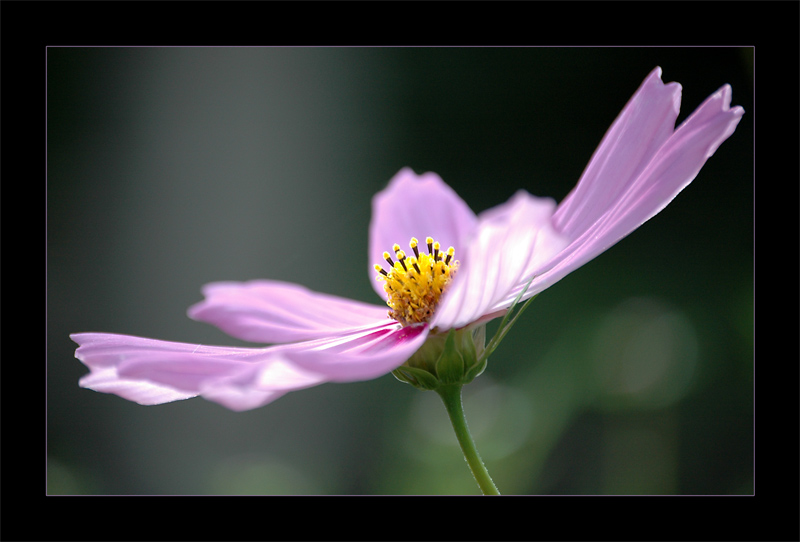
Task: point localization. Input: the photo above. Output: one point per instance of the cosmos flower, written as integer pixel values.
(503, 255)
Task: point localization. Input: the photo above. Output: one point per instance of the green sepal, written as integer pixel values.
(450, 365)
(419, 378)
(475, 371)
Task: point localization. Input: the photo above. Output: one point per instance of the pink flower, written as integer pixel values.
(642, 163)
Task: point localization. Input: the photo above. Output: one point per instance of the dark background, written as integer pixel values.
(171, 167)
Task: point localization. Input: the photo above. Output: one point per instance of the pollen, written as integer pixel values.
(415, 283)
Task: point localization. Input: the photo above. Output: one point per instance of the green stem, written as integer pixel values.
(451, 396)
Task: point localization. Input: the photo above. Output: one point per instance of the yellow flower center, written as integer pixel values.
(414, 284)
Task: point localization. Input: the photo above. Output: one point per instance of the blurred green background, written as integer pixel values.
(172, 167)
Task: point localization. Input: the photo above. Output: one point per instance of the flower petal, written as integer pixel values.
(361, 356)
(637, 134)
(416, 206)
(675, 164)
(106, 380)
(512, 242)
(279, 312)
(639, 167)
(149, 371)
(261, 385)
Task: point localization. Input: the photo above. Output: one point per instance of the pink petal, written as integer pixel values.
(234, 384)
(106, 380)
(262, 385)
(674, 165)
(640, 166)
(279, 312)
(416, 206)
(363, 356)
(512, 241)
(149, 371)
(634, 138)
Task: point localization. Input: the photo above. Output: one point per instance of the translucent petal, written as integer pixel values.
(362, 357)
(673, 166)
(416, 206)
(279, 312)
(149, 371)
(512, 242)
(106, 380)
(637, 134)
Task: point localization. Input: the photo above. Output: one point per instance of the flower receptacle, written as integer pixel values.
(444, 359)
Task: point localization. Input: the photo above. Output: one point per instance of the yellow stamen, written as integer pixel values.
(401, 256)
(414, 289)
(413, 245)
